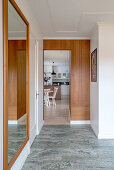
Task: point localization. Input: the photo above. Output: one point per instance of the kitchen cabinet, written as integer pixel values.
(64, 90)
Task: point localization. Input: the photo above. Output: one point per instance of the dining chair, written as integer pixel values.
(46, 97)
(54, 96)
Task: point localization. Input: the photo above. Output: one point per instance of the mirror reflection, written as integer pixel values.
(17, 118)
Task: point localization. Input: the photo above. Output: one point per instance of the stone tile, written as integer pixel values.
(65, 147)
(16, 137)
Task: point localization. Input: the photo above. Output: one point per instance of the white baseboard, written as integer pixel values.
(39, 128)
(15, 122)
(12, 122)
(81, 122)
(106, 135)
(94, 130)
(22, 118)
(34, 132)
(32, 135)
(22, 157)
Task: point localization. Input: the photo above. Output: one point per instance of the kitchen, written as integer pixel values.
(56, 75)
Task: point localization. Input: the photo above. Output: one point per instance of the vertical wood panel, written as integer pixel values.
(79, 76)
(16, 79)
(5, 92)
(12, 81)
(21, 83)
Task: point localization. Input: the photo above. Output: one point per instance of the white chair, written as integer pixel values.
(46, 97)
(54, 96)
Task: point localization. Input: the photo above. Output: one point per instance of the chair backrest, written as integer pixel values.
(46, 92)
(55, 92)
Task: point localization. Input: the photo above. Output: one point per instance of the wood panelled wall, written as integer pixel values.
(79, 74)
(16, 79)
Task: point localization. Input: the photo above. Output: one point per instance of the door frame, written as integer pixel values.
(70, 54)
(36, 87)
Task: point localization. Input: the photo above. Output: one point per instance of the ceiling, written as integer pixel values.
(59, 57)
(70, 18)
(16, 26)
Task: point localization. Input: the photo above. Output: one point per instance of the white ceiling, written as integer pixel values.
(59, 57)
(70, 18)
(16, 26)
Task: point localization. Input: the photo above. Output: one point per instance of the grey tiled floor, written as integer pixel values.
(16, 137)
(65, 147)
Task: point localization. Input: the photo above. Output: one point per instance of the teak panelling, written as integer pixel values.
(16, 107)
(5, 79)
(21, 83)
(79, 74)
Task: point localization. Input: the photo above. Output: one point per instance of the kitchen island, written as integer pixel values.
(58, 96)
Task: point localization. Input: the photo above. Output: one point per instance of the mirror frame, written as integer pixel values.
(6, 165)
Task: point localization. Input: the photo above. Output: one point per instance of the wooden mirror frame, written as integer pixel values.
(6, 165)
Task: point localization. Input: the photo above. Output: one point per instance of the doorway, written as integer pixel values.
(56, 86)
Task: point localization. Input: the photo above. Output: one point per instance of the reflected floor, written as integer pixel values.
(16, 137)
(66, 147)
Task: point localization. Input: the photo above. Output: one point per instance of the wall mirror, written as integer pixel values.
(17, 84)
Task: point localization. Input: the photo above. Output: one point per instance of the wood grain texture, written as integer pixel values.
(21, 83)
(16, 79)
(79, 74)
(5, 84)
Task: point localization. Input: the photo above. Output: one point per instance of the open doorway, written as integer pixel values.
(56, 86)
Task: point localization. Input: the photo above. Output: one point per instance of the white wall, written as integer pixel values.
(94, 86)
(61, 69)
(1, 89)
(102, 92)
(106, 80)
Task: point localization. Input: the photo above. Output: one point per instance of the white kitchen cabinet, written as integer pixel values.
(64, 90)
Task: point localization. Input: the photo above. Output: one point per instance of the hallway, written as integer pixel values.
(65, 147)
(57, 85)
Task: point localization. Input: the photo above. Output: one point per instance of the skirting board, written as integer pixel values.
(39, 128)
(12, 122)
(15, 122)
(81, 122)
(32, 135)
(106, 135)
(94, 130)
(22, 158)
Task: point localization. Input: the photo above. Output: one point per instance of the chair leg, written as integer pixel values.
(49, 102)
(53, 100)
(55, 103)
